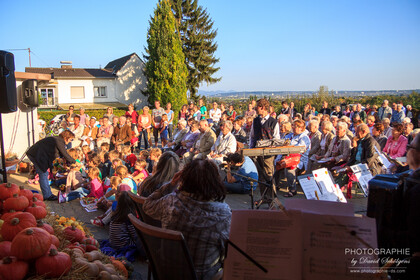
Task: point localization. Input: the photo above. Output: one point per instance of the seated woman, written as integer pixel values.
(396, 145)
(166, 168)
(339, 150)
(377, 133)
(238, 132)
(199, 196)
(326, 139)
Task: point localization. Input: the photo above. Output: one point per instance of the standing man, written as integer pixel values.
(203, 109)
(157, 114)
(264, 127)
(385, 111)
(324, 109)
(44, 152)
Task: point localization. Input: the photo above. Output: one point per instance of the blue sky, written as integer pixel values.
(263, 45)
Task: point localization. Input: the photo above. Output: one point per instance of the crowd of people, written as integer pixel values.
(187, 171)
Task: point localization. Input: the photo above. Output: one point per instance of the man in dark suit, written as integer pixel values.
(44, 152)
(264, 127)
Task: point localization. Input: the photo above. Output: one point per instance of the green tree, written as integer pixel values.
(165, 68)
(195, 28)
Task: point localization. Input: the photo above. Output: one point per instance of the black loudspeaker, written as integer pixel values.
(8, 96)
(30, 93)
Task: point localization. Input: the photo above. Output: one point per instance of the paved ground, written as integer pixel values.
(235, 201)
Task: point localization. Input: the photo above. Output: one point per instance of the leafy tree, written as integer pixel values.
(165, 68)
(196, 31)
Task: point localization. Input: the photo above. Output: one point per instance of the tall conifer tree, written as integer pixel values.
(165, 68)
(196, 31)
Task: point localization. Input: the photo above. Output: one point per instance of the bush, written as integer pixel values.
(48, 115)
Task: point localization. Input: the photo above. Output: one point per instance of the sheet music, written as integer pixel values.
(320, 207)
(363, 175)
(326, 243)
(310, 187)
(272, 238)
(329, 190)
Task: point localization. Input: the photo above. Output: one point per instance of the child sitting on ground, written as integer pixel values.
(106, 217)
(123, 240)
(95, 188)
(106, 201)
(140, 172)
(122, 172)
(129, 158)
(154, 156)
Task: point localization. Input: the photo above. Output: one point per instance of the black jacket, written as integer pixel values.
(369, 154)
(45, 151)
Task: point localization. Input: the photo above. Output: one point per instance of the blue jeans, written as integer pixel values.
(77, 193)
(44, 183)
(236, 187)
(170, 130)
(143, 134)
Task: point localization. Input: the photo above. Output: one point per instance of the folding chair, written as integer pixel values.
(166, 250)
(138, 201)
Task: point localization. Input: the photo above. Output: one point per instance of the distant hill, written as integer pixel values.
(246, 94)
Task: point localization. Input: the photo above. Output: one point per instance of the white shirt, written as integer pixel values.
(215, 115)
(224, 144)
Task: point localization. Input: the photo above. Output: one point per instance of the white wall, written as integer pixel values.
(130, 83)
(64, 90)
(17, 127)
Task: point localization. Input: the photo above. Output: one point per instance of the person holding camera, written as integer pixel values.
(240, 173)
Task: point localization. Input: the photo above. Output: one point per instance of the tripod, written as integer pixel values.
(252, 181)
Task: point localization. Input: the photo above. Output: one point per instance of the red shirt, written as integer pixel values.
(134, 116)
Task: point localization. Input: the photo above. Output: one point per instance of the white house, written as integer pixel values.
(121, 82)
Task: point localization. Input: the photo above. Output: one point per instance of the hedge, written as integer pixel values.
(48, 115)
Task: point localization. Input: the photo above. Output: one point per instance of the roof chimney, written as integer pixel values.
(66, 64)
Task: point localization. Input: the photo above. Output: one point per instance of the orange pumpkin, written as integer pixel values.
(5, 247)
(39, 196)
(39, 212)
(38, 202)
(9, 214)
(8, 190)
(45, 226)
(55, 241)
(73, 234)
(16, 202)
(13, 269)
(16, 223)
(54, 264)
(26, 192)
(31, 243)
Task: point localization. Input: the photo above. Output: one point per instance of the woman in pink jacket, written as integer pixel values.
(396, 145)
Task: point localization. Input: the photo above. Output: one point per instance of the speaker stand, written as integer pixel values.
(3, 156)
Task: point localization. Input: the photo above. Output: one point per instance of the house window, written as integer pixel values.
(77, 92)
(100, 91)
(47, 97)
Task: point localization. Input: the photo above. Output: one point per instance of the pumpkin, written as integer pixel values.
(31, 243)
(55, 240)
(5, 249)
(13, 269)
(90, 243)
(73, 234)
(45, 226)
(120, 266)
(38, 202)
(16, 202)
(39, 196)
(26, 192)
(78, 246)
(9, 214)
(8, 190)
(53, 265)
(16, 223)
(39, 212)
